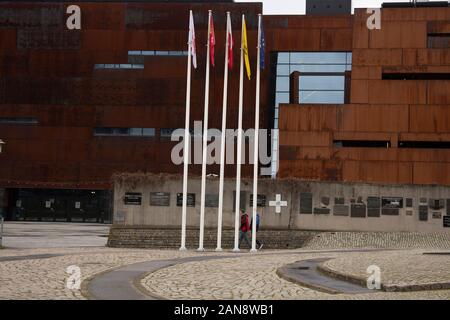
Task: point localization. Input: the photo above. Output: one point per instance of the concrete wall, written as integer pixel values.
(290, 216)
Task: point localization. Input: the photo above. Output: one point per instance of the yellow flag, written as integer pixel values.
(245, 48)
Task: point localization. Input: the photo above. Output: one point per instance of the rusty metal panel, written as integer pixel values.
(48, 39)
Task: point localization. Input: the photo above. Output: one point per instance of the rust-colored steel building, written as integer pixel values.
(76, 106)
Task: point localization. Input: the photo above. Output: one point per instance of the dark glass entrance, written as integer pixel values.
(63, 205)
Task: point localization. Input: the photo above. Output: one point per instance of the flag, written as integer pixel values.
(212, 40)
(192, 40)
(230, 44)
(245, 48)
(262, 47)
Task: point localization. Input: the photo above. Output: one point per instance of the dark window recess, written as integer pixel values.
(424, 144)
(416, 76)
(439, 40)
(361, 144)
(21, 120)
(127, 132)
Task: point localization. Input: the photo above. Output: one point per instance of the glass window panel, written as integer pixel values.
(276, 113)
(283, 57)
(134, 52)
(121, 131)
(321, 82)
(349, 58)
(318, 57)
(324, 97)
(166, 132)
(135, 131)
(317, 68)
(283, 70)
(281, 97)
(148, 132)
(282, 84)
(161, 53)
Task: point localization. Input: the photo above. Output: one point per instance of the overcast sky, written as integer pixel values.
(298, 6)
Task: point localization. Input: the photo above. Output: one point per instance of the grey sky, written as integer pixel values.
(298, 6)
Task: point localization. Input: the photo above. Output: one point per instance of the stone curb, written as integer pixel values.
(282, 273)
(388, 288)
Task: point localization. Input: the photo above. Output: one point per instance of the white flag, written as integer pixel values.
(192, 41)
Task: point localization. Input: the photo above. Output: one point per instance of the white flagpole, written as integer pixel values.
(186, 139)
(205, 141)
(256, 140)
(239, 146)
(223, 137)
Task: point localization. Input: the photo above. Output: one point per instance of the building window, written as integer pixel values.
(124, 132)
(166, 132)
(439, 40)
(139, 56)
(19, 120)
(119, 66)
(322, 88)
(321, 81)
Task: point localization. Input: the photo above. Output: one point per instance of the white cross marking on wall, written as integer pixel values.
(278, 203)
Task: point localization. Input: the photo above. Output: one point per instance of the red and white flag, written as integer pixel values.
(230, 43)
(192, 40)
(212, 40)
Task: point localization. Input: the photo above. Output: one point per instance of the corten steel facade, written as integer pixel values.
(399, 103)
(48, 74)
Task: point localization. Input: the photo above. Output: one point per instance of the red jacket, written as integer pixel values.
(244, 223)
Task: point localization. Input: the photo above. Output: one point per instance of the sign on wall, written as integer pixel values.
(133, 198)
(160, 199)
(190, 201)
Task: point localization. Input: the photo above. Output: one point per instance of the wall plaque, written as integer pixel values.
(321, 211)
(190, 201)
(423, 213)
(133, 198)
(391, 203)
(306, 203)
(437, 215)
(211, 200)
(358, 210)
(446, 222)
(261, 202)
(160, 199)
(437, 204)
(341, 210)
(409, 202)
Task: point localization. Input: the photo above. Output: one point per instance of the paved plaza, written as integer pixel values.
(34, 266)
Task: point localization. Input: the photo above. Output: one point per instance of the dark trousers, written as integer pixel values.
(243, 236)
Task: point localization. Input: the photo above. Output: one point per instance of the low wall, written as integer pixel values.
(169, 237)
(320, 206)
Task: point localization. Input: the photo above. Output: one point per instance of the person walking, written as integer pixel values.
(244, 228)
(258, 220)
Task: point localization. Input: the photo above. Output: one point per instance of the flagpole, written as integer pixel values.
(256, 140)
(223, 137)
(186, 140)
(239, 145)
(205, 140)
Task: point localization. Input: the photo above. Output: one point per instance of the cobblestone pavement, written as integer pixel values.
(254, 277)
(405, 268)
(46, 278)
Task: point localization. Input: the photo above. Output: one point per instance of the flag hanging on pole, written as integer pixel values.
(212, 41)
(230, 43)
(262, 46)
(245, 48)
(192, 40)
